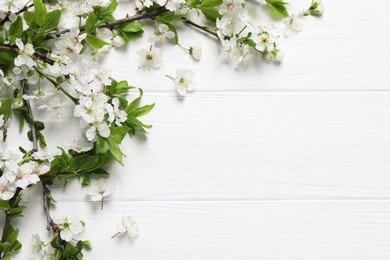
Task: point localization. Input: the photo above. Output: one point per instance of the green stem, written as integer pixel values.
(58, 86)
(201, 27)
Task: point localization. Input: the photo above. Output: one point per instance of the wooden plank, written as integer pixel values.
(295, 230)
(253, 146)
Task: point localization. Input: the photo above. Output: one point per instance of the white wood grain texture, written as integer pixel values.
(346, 49)
(296, 230)
(255, 164)
(252, 146)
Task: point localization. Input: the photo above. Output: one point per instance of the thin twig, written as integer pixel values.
(37, 54)
(113, 24)
(203, 28)
(51, 225)
(6, 18)
(58, 86)
(33, 127)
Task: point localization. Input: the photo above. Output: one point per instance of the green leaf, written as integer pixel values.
(51, 21)
(7, 57)
(211, 13)
(278, 7)
(140, 111)
(70, 250)
(15, 30)
(6, 107)
(170, 16)
(127, 36)
(118, 133)
(118, 88)
(95, 41)
(4, 205)
(132, 27)
(84, 162)
(135, 102)
(115, 150)
(210, 3)
(40, 12)
(92, 23)
(29, 17)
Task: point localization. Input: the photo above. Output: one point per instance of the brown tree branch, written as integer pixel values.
(113, 24)
(6, 18)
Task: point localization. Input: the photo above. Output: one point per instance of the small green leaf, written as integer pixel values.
(92, 23)
(141, 111)
(6, 107)
(115, 151)
(15, 30)
(4, 205)
(7, 57)
(211, 13)
(278, 7)
(118, 133)
(40, 12)
(170, 16)
(95, 41)
(132, 27)
(51, 21)
(29, 17)
(210, 3)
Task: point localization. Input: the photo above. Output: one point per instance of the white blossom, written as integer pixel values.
(184, 81)
(62, 64)
(40, 168)
(264, 41)
(196, 51)
(140, 4)
(7, 189)
(1, 120)
(149, 58)
(115, 113)
(70, 226)
(118, 41)
(26, 51)
(71, 41)
(22, 175)
(39, 249)
(81, 145)
(101, 3)
(100, 188)
(100, 128)
(11, 6)
(172, 5)
(129, 226)
(161, 33)
(56, 106)
(42, 154)
(293, 24)
(229, 8)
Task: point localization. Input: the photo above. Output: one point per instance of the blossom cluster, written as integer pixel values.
(18, 173)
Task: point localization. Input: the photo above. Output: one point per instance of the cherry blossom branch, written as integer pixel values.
(51, 225)
(6, 18)
(113, 24)
(37, 54)
(58, 86)
(200, 27)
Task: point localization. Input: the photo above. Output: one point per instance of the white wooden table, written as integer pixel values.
(274, 162)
